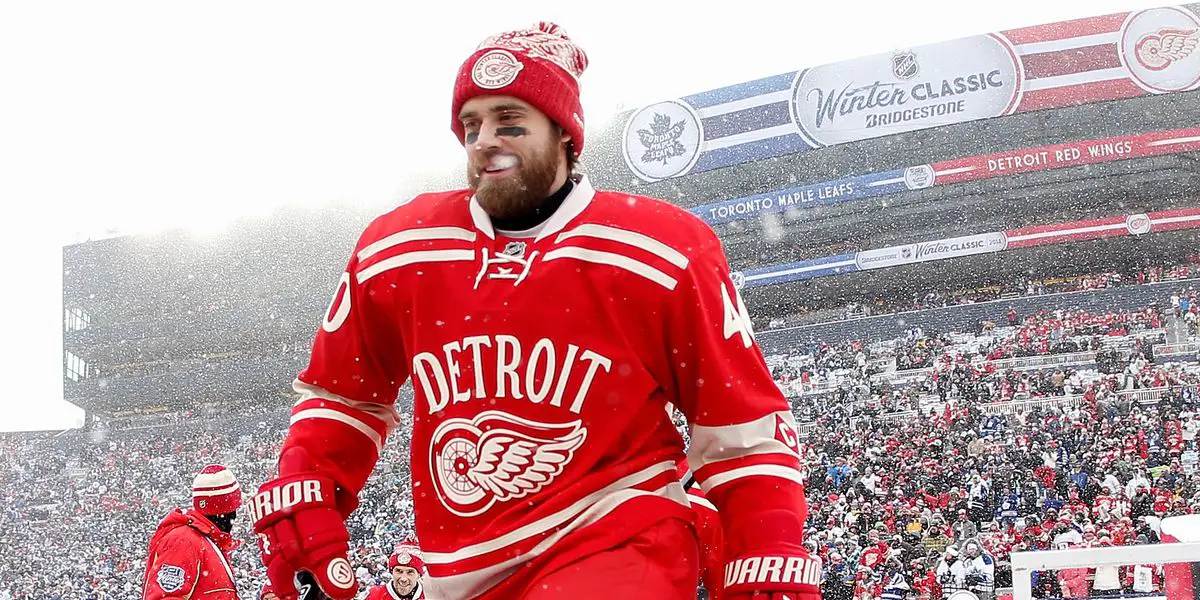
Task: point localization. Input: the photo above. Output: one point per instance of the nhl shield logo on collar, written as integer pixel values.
(516, 249)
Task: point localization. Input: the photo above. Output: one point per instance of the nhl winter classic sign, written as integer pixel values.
(1055, 65)
(930, 86)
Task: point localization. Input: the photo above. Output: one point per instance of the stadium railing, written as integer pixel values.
(1184, 349)
(1142, 396)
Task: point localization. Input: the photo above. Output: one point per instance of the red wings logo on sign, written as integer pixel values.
(1138, 224)
(497, 457)
(1159, 48)
(1156, 51)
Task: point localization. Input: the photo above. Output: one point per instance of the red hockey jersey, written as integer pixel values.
(542, 363)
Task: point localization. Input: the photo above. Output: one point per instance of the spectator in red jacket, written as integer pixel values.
(189, 553)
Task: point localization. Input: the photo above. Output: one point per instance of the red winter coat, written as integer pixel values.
(189, 560)
(926, 586)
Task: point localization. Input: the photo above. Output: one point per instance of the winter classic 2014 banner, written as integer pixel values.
(1096, 59)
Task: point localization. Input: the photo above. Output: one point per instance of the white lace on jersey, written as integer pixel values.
(491, 259)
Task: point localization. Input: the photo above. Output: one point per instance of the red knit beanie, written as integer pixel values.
(407, 556)
(215, 491)
(540, 66)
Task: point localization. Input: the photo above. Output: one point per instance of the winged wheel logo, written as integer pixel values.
(498, 457)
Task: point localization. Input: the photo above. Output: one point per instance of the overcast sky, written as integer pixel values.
(140, 116)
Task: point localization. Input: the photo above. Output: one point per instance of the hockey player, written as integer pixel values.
(406, 568)
(545, 325)
(189, 552)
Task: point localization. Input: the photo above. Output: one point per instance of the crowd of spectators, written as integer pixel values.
(929, 362)
(888, 501)
(1017, 288)
(81, 506)
(915, 507)
(1186, 306)
(897, 504)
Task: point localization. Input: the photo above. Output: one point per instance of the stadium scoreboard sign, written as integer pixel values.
(1096, 59)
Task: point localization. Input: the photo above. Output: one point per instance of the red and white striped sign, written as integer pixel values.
(1056, 65)
(1071, 154)
(1111, 57)
(1094, 229)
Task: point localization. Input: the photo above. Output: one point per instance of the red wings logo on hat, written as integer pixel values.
(496, 69)
(546, 41)
(498, 457)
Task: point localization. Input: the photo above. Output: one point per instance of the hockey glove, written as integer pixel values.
(301, 529)
(789, 575)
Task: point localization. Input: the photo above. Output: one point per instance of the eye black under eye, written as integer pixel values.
(472, 137)
(512, 131)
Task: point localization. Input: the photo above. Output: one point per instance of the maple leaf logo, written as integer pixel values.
(661, 124)
(661, 140)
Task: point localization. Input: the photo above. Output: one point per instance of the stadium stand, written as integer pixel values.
(1043, 396)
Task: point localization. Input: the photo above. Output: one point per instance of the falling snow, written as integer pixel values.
(972, 323)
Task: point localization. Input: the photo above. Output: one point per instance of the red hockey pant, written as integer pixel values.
(661, 563)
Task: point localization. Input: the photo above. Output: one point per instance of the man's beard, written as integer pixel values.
(223, 522)
(520, 192)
